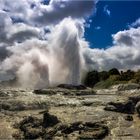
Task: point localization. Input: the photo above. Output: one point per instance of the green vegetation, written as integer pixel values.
(92, 78)
(105, 79)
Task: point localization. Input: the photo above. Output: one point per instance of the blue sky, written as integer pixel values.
(103, 25)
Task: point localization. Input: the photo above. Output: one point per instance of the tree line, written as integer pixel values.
(108, 78)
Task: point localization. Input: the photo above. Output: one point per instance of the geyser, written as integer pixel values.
(44, 42)
(38, 64)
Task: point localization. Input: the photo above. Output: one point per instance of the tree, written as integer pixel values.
(114, 71)
(92, 78)
(103, 75)
(128, 75)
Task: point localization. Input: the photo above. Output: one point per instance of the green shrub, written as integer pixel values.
(91, 79)
(136, 77)
(103, 75)
(128, 75)
(114, 71)
(112, 80)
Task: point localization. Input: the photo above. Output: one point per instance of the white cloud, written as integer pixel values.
(136, 23)
(59, 9)
(124, 54)
(18, 32)
(33, 12)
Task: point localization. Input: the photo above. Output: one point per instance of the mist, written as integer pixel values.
(57, 60)
(44, 44)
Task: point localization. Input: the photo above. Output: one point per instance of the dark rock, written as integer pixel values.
(33, 133)
(94, 131)
(29, 121)
(5, 106)
(49, 120)
(135, 99)
(87, 130)
(31, 127)
(50, 133)
(128, 118)
(123, 107)
(79, 93)
(85, 92)
(87, 103)
(73, 127)
(138, 108)
(44, 92)
(72, 87)
(109, 107)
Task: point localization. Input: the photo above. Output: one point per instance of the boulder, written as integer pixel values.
(72, 87)
(44, 92)
(95, 132)
(135, 99)
(122, 107)
(49, 120)
(30, 128)
(33, 133)
(87, 130)
(138, 108)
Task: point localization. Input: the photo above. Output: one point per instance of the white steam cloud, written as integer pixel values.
(44, 42)
(57, 60)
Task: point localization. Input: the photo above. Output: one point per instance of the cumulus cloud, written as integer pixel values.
(124, 54)
(15, 8)
(18, 32)
(36, 12)
(18, 19)
(136, 23)
(59, 9)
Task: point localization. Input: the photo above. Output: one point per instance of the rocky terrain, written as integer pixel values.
(70, 113)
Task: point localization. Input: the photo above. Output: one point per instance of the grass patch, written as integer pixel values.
(113, 80)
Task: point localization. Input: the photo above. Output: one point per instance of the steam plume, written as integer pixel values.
(58, 60)
(43, 43)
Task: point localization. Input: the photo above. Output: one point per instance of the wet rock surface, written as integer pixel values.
(68, 86)
(123, 107)
(130, 86)
(73, 114)
(33, 128)
(138, 108)
(129, 106)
